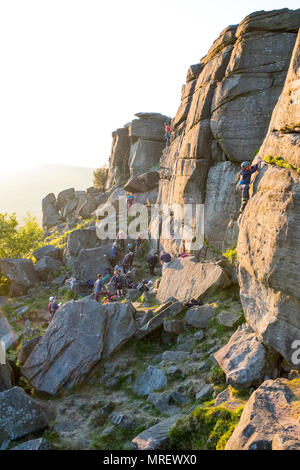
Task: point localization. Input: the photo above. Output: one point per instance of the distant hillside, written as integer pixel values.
(23, 191)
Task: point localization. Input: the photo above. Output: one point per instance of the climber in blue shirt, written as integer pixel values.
(245, 180)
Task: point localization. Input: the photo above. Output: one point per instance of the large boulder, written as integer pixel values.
(149, 126)
(80, 239)
(270, 420)
(47, 267)
(51, 215)
(21, 415)
(91, 262)
(152, 379)
(156, 437)
(48, 250)
(142, 183)
(160, 315)
(245, 360)
(27, 348)
(188, 279)
(81, 334)
(20, 272)
(144, 155)
(200, 315)
(66, 202)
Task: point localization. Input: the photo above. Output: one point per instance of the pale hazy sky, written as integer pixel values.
(74, 70)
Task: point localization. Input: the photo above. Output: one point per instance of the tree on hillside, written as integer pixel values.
(100, 177)
(18, 241)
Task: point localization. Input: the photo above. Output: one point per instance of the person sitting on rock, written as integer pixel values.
(165, 259)
(100, 289)
(127, 261)
(152, 262)
(117, 283)
(245, 180)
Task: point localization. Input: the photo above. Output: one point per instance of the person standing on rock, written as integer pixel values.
(100, 289)
(49, 307)
(245, 181)
(54, 307)
(117, 283)
(127, 261)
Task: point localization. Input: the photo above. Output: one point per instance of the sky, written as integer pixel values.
(72, 71)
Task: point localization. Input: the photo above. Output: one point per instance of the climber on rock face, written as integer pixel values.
(245, 180)
(168, 130)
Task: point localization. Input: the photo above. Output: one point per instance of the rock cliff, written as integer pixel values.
(225, 112)
(268, 244)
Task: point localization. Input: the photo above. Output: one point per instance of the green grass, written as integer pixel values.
(206, 428)
(115, 440)
(280, 162)
(218, 376)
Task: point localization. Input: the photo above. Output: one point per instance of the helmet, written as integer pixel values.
(129, 245)
(245, 164)
(51, 298)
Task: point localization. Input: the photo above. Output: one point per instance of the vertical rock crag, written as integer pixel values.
(225, 110)
(269, 240)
